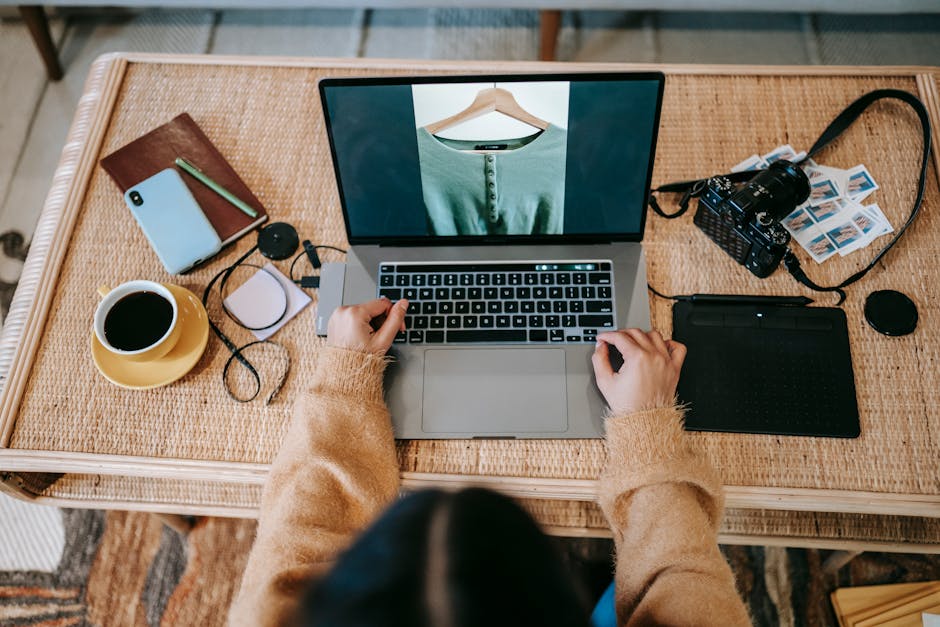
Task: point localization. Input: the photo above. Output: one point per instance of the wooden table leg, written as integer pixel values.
(181, 524)
(549, 26)
(38, 25)
(837, 560)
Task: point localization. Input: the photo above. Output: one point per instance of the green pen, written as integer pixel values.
(218, 189)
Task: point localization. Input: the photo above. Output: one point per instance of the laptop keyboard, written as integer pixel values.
(499, 302)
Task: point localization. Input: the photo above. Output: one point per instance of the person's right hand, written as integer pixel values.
(648, 376)
(367, 327)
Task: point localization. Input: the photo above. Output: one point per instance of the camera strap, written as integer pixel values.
(694, 188)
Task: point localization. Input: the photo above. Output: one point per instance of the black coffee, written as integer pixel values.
(137, 321)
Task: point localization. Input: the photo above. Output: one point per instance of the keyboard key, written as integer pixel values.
(555, 292)
(458, 293)
(494, 307)
(469, 322)
(429, 308)
(547, 279)
(569, 321)
(442, 293)
(437, 322)
(466, 279)
(518, 321)
(515, 279)
(400, 338)
(588, 292)
(416, 337)
(599, 306)
(596, 321)
(552, 321)
(560, 306)
(462, 307)
(570, 338)
(536, 321)
(499, 279)
(502, 321)
(579, 278)
(450, 279)
(572, 292)
(523, 293)
(478, 307)
(483, 279)
(402, 280)
(386, 280)
(603, 291)
(506, 293)
(445, 308)
(420, 322)
(511, 307)
(538, 335)
(490, 293)
(434, 279)
(599, 278)
(391, 293)
(556, 335)
(543, 306)
(563, 278)
(590, 335)
(414, 307)
(385, 268)
(425, 293)
(527, 306)
(576, 306)
(531, 278)
(418, 280)
(487, 322)
(474, 293)
(487, 335)
(410, 293)
(539, 292)
(453, 322)
(435, 337)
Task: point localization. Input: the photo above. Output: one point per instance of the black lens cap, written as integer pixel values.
(278, 240)
(891, 312)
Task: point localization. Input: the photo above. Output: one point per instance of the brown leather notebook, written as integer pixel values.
(181, 137)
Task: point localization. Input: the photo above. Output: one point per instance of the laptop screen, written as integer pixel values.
(442, 160)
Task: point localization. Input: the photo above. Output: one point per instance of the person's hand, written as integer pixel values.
(367, 327)
(649, 374)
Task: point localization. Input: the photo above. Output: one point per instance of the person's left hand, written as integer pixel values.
(361, 328)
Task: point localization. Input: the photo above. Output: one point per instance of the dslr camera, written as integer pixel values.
(745, 222)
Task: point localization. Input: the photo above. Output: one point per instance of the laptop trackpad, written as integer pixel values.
(494, 391)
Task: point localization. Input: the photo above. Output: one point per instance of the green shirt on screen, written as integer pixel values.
(515, 189)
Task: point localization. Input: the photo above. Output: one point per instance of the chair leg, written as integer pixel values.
(38, 25)
(549, 27)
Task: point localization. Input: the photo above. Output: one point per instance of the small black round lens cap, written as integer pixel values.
(278, 240)
(891, 312)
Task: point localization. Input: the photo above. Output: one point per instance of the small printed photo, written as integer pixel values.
(822, 191)
(824, 210)
(860, 182)
(780, 152)
(797, 221)
(754, 162)
(844, 234)
(813, 173)
(821, 248)
(878, 215)
(864, 221)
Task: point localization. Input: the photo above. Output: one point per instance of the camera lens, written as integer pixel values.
(782, 187)
(136, 198)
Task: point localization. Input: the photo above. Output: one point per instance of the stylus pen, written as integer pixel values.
(218, 189)
(743, 299)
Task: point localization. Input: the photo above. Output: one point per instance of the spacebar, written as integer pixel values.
(487, 335)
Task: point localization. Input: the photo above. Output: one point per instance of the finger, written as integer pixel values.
(625, 343)
(677, 352)
(394, 322)
(601, 362)
(658, 343)
(374, 308)
(640, 337)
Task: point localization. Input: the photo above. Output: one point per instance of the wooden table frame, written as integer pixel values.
(24, 326)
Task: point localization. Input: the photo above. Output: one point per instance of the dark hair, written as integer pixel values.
(451, 560)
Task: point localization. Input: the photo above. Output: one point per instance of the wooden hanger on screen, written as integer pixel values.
(487, 100)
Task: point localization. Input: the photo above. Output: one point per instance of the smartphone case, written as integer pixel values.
(176, 227)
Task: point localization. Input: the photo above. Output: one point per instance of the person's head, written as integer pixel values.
(449, 560)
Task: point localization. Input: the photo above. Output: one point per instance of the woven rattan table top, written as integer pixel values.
(57, 414)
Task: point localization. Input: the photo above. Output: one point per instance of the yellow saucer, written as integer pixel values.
(172, 366)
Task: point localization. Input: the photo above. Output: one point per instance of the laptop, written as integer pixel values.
(509, 210)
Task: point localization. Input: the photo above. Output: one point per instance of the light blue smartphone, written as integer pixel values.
(169, 216)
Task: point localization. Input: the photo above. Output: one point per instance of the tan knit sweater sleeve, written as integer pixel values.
(664, 502)
(335, 472)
